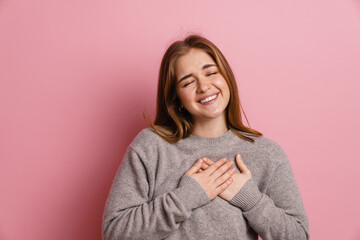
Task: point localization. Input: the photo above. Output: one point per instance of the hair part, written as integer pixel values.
(171, 123)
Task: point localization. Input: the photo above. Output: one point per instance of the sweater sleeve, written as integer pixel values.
(279, 213)
(130, 214)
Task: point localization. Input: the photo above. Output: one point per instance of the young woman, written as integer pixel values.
(198, 172)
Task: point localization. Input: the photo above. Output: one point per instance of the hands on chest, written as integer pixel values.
(220, 178)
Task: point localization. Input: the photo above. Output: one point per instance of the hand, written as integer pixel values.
(215, 179)
(239, 179)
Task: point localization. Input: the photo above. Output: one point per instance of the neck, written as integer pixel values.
(210, 128)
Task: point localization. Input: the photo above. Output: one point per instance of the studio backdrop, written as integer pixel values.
(76, 77)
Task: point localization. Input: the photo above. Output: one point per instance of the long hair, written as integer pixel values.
(171, 123)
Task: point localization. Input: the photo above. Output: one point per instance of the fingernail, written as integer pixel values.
(200, 161)
(205, 159)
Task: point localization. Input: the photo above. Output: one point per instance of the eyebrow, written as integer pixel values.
(204, 67)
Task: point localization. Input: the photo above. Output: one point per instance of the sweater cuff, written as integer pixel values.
(191, 194)
(247, 197)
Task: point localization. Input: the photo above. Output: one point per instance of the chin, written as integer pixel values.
(211, 115)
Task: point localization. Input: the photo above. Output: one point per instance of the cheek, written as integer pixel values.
(184, 96)
(222, 85)
(227, 90)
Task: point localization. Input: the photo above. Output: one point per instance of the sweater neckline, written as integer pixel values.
(197, 141)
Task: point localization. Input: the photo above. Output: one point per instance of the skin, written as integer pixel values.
(198, 77)
(209, 119)
(239, 178)
(215, 178)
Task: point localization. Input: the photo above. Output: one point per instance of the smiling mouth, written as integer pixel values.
(208, 99)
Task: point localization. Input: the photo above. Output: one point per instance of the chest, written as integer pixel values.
(171, 164)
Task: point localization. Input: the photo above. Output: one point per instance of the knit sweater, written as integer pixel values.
(152, 198)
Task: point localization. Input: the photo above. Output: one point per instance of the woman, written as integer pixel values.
(178, 179)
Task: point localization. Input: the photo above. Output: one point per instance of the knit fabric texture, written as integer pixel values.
(152, 198)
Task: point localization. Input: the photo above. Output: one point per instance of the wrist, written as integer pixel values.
(248, 196)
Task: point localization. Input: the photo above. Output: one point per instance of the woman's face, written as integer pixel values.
(201, 88)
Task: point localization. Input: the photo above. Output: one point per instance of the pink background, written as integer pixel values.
(76, 76)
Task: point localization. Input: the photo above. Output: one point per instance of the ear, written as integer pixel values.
(182, 108)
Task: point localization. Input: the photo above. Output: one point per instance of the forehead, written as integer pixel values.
(194, 60)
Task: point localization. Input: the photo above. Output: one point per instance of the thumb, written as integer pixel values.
(240, 163)
(195, 168)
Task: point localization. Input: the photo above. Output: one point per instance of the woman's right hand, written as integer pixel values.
(215, 179)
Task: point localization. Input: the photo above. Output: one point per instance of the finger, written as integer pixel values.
(240, 163)
(215, 166)
(204, 166)
(196, 167)
(224, 177)
(221, 170)
(224, 186)
(208, 161)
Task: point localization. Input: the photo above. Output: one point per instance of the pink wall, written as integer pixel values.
(75, 77)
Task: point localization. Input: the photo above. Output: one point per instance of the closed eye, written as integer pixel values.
(212, 73)
(188, 83)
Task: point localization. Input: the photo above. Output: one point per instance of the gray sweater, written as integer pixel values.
(151, 198)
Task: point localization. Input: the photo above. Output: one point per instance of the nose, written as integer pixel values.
(202, 85)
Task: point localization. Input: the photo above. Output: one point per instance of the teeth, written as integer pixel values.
(208, 99)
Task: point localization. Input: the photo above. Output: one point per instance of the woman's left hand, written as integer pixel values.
(239, 179)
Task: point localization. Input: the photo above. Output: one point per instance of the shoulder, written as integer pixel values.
(146, 140)
(270, 149)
